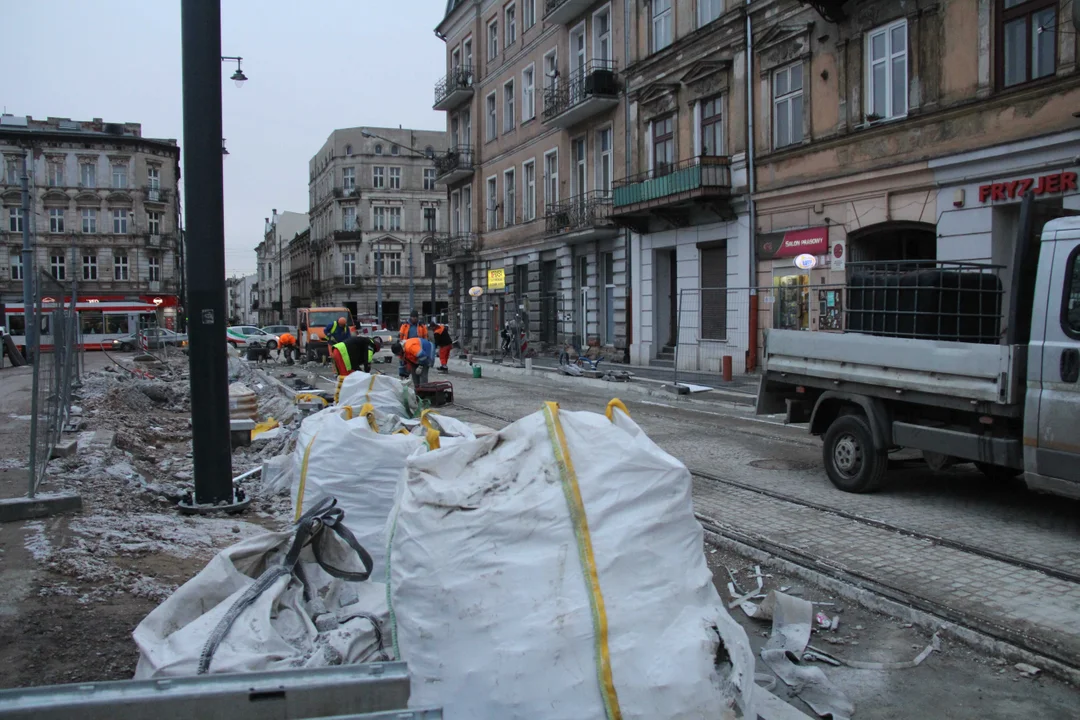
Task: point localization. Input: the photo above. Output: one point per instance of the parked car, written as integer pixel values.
(279, 330)
(242, 336)
(156, 339)
(387, 338)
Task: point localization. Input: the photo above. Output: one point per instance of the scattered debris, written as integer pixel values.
(1027, 670)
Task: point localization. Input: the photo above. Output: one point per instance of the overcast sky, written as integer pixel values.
(312, 66)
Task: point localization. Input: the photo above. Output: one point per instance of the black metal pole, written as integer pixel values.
(205, 215)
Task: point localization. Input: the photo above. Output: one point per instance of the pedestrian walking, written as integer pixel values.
(440, 337)
(418, 355)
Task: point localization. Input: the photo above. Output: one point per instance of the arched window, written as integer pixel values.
(393, 149)
(378, 148)
(348, 150)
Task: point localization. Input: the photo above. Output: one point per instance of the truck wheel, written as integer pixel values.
(998, 473)
(851, 460)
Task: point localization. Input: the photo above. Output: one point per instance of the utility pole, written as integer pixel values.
(29, 316)
(200, 25)
(280, 282)
(378, 282)
(434, 311)
(412, 288)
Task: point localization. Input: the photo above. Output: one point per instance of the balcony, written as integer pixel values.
(581, 218)
(588, 91)
(296, 302)
(454, 89)
(449, 248)
(673, 193)
(354, 235)
(349, 192)
(454, 165)
(561, 12)
(155, 195)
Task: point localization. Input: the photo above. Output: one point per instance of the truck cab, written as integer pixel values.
(311, 329)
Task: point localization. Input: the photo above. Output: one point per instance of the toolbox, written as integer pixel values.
(437, 393)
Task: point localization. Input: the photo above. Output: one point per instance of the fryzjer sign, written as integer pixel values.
(812, 241)
(1014, 189)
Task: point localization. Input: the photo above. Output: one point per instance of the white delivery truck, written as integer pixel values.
(1004, 397)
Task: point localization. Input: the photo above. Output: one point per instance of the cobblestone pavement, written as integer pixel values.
(1026, 606)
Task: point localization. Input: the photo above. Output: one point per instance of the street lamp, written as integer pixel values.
(237, 77)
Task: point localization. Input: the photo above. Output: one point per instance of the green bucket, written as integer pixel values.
(476, 371)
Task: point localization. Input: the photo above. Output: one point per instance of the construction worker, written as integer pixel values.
(287, 346)
(335, 332)
(356, 352)
(440, 336)
(409, 330)
(418, 355)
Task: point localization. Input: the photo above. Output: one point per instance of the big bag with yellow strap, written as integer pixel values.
(556, 570)
(386, 394)
(345, 453)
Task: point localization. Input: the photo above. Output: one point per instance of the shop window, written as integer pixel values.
(1026, 40)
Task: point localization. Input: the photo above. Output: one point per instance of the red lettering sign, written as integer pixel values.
(1046, 185)
(812, 241)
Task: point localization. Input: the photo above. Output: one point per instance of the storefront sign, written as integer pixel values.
(476, 291)
(805, 262)
(1046, 185)
(497, 279)
(811, 241)
(838, 256)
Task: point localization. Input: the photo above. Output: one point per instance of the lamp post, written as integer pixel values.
(203, 186)
(378, 282)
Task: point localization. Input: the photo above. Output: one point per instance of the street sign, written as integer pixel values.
(496, 279)
(805, 261)
(476, 291)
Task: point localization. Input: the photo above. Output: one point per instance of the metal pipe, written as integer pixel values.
(201, 53)
(29, 320)
(751, 187)
(412, 280)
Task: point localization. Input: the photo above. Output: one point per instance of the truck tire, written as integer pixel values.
(851, 460)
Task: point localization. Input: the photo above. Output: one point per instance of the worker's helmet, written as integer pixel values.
(396, 348)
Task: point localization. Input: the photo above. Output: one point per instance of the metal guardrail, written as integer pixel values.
(596, 78)
(588, 210)
(695, 173)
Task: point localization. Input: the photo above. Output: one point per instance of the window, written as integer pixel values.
(348, 264)
(120, 222)
(491, 117)
(714, 293)
(788, 106)
(89, 267)
(466, 52)
(395, 178)
(348, 178)
(509, 198)
(551, 177)
(391, 263)
(708, 10)
(154, 269)
(1027, 40)
(604, 161)
(1070, 308)
(16, 264)
(508, 106)
(59, 267)
(607, 279)
(528, 93)
(511, 24)
(89, 221)
(602, 36)
(14, 170)
(661, 24)
(153, 223)
(663, 144)
(153, 178)
(429, 178)
(348, 218)
(528, 14)
(56, 220)
(348, 150)
(120, 267)
(15, 219)
(551, 68)
(119, 175)
(455, 212)
(378, 176)
(378, 215)
(395, 150)
(88, 175)
(492, 204)
(493, 40)
(528, 200)
(429, 219)
(466, 209)
(579, 176)
(56, 173)
(378, 148)
(712, 127)
(887, 72)
(395, 218)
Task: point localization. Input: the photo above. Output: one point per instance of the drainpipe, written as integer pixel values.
(751, 186)
(628, 243)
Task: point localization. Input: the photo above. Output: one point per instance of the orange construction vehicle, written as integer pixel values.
(311, 329)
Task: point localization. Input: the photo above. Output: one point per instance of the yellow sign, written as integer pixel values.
(497, 279)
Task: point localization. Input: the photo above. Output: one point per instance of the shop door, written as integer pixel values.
(548, 303)
(791, 304)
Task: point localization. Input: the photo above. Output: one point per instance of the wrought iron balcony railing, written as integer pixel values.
(457, 245)
(455, 163)
(591, 88)
(582, 212)
(455, 88)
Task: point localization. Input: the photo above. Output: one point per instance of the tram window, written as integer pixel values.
(116, 324)
(44, 330)
(90, 321)
(16, 324)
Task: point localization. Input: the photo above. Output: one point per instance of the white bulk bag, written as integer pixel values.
(348, 460)
(383, 392)
(556, 570)
(249, 600)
